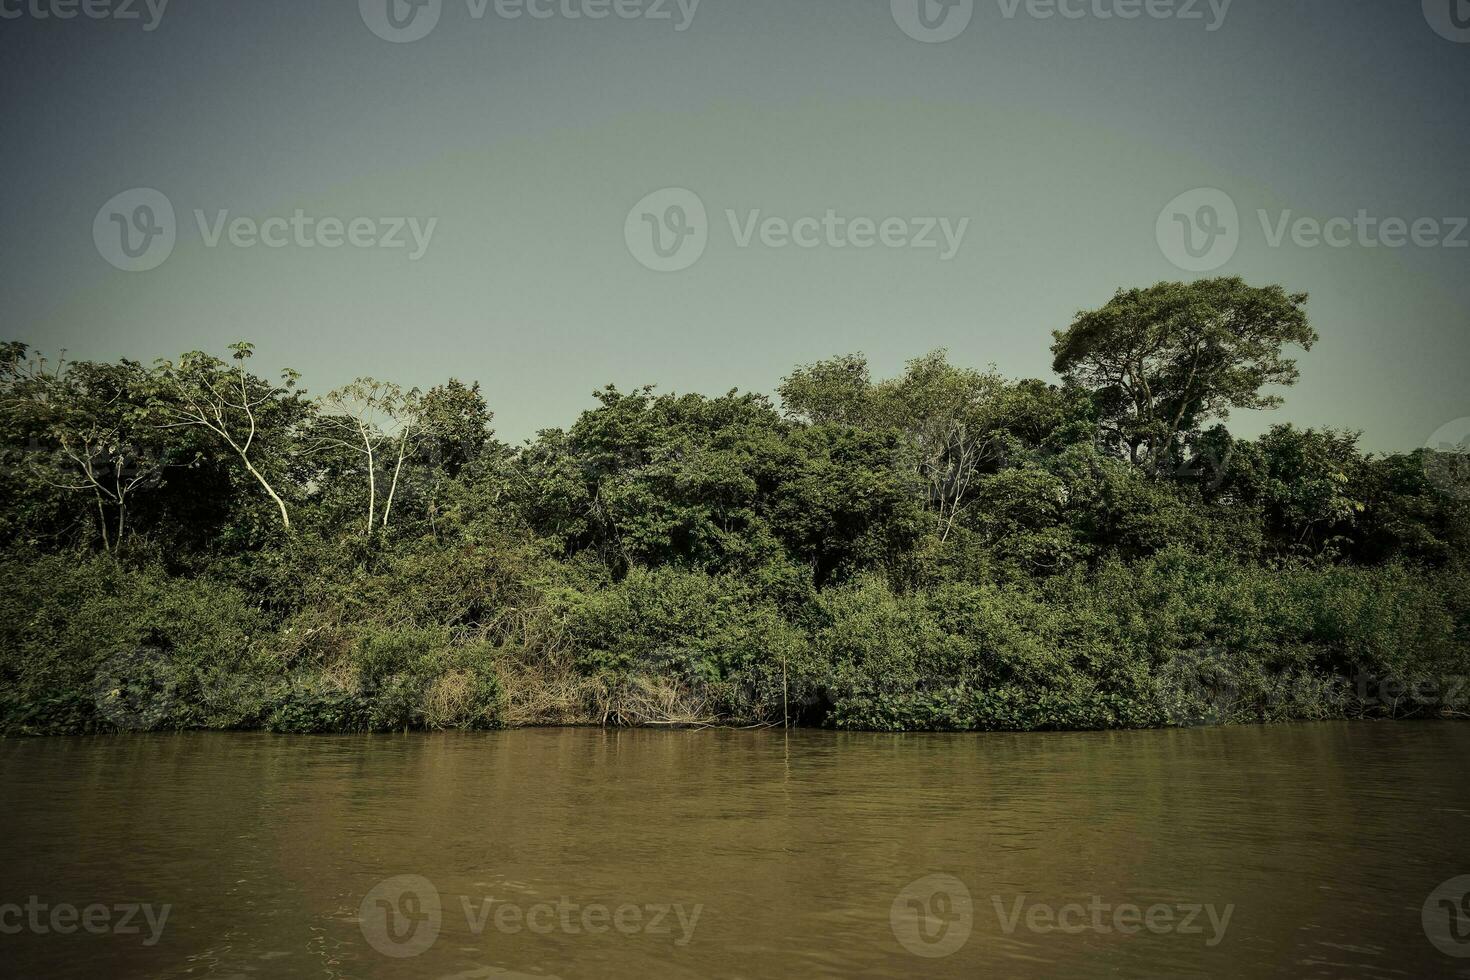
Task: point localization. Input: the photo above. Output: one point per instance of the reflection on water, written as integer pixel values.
(1286, 851)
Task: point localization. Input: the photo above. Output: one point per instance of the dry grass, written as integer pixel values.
(449, 699)
(552, 693)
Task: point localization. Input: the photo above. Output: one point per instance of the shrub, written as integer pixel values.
(76, 634)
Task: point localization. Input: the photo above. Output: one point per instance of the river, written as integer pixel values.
(1294, 851)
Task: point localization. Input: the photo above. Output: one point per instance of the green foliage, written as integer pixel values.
(68, 625)
(717, 634)
(187, 545)
(94, 646)
(391, 681)
(1161, 361)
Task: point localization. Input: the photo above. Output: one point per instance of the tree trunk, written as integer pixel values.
(372, 489)
(397, 468)
(285, 517)
(102, 522)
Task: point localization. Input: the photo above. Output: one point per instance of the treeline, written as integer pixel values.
(188, 544)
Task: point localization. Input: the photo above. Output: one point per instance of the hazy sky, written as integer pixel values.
(528, 141)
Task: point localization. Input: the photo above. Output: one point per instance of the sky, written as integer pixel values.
(547, 196)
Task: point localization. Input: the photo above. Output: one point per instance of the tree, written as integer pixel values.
(836, 391)
(370, 418)
(233, 404)
(1407, 514)
(91, 428)
(1161, 361)
(950, 419)
(1303, 482)
(457, 433)
(411, 425)
(348, 419)
(658, 479)
(106, 442)
(460, 423)
(846, 503)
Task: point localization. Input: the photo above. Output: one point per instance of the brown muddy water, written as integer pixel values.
(1327, 850)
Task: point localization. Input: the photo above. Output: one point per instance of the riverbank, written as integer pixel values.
(190, 545)
(1181, 639)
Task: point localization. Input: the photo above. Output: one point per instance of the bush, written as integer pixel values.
(93, 646)
(87, 645)
(714, 634)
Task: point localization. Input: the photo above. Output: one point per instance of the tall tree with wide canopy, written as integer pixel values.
(1163, 360)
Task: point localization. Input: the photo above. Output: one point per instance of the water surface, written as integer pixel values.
(583, 853)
